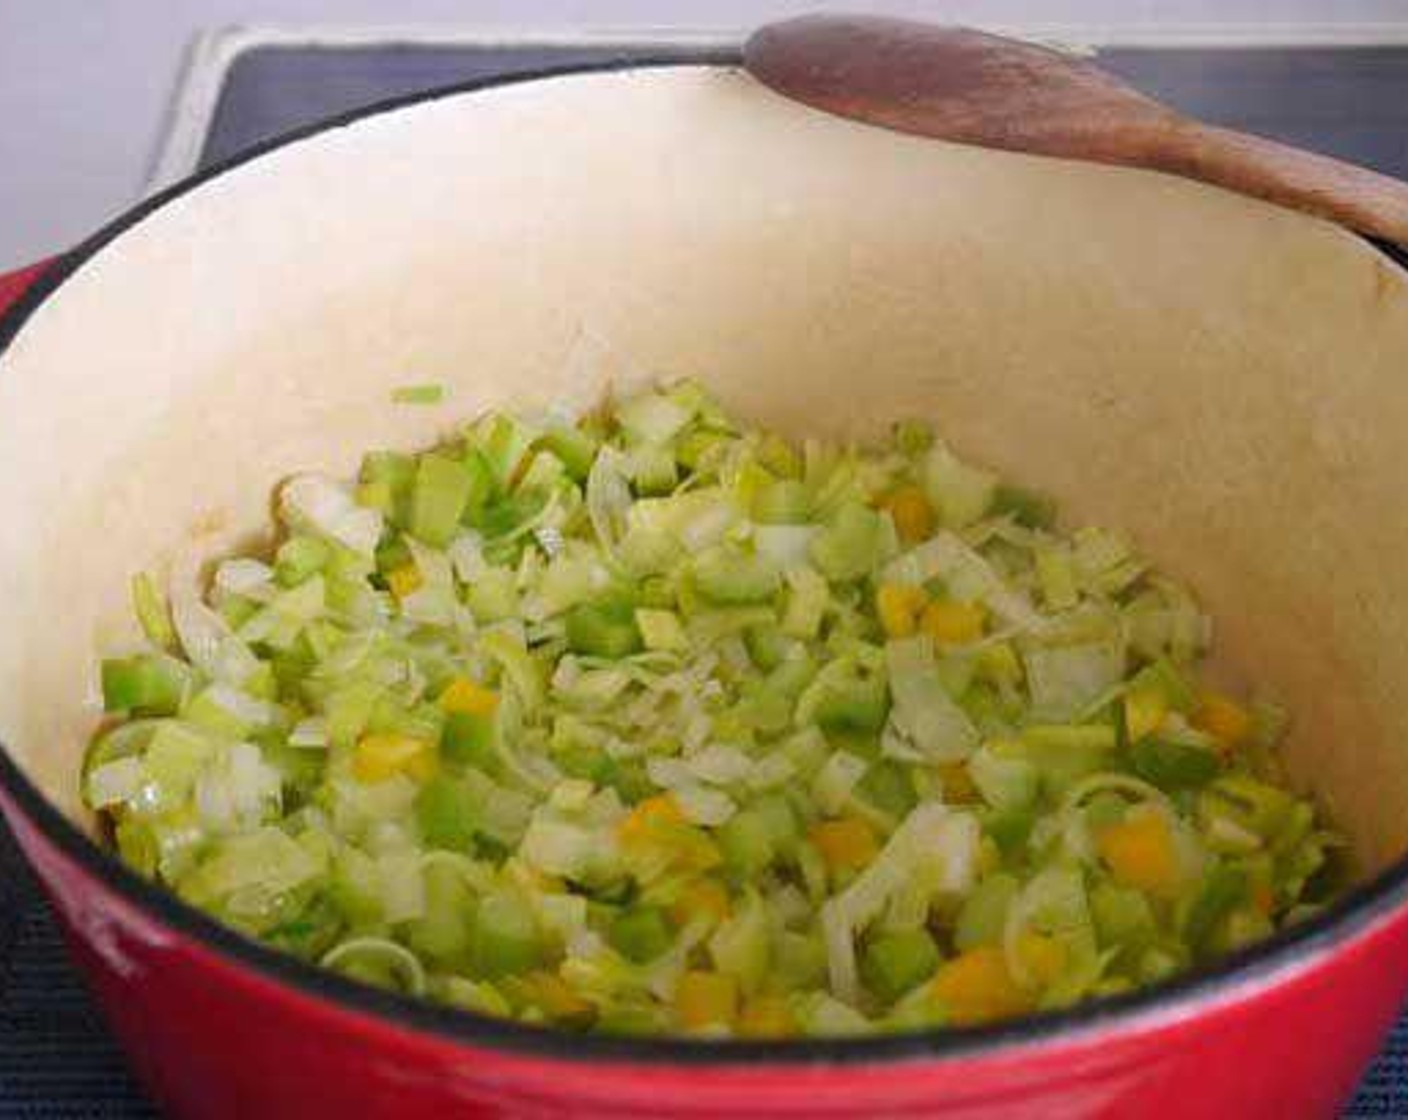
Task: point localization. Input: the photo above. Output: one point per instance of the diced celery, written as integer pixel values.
(782, 502)
(604, 628)
(851, 545)
(438, 499)
(300, 557)
(144, 685)
(443, 933)
(984, 912)
(467, 738)
(1172, 765)
(733, 577)
(574, 447)
(893, 963)
(448, 813)
(505, 939)
(153, 612)
(396, 472)
(640, 933)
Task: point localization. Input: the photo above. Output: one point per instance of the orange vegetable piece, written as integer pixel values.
(767, 1017)
(1140, 852)
(952, 622)
(976, 987)
(705, 999)
(1223, 718)
(848, 842)
(911, 512)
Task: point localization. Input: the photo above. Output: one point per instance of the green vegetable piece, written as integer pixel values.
(1167, 679)
(1122, 915)
(574, 447)
(983, 915)
(732, 577)
(1171, 765)
(895, 962)
(851, 545)
(785, 501)
(766, 646)
(468, 739)
(604, 628)
(448, 814)
(144, 685)
(424, 393)
(854, 706)
(394, 473)
(1224, 888)
(505, 940)
(438, 499)
(443, 934)
(1248, 803)
(746, 840)
(887, 787)
(1031, 508)
(640, 934)
(153, 613)
(299, 558)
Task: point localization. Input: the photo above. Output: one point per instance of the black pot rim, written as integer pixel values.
(1365, 906)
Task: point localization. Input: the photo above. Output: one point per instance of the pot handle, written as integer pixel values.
(15, 284)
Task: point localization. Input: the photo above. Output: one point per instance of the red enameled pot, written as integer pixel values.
(1222, 378)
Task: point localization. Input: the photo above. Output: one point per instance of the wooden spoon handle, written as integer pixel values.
(962, 85)
(1353, 196)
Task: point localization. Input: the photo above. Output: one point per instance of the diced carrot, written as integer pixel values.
(703, 896)
(848, 842)
(976, 987)
(661, 809)
(911, 512)
(1140, 852)
(1223, 718)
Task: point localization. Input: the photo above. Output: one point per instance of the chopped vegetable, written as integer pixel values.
(642, 722)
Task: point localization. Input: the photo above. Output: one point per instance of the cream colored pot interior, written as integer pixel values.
(1227, 381)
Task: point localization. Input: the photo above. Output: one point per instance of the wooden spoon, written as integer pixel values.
(957, 84)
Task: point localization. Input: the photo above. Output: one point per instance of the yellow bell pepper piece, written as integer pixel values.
(552, 994)
(703, 896)
(911, 512)
(463, 695)
(1144, 711)
(848, 842)
(705, 999)
(1140, 852)
(898, 606)
(767, 1017)
(953, 623)
(379, 757)
(1223, 718)
(976, 987)
(405, 580)
(1044, 957)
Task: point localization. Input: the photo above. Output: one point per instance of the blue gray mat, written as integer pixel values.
(56, 1059)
